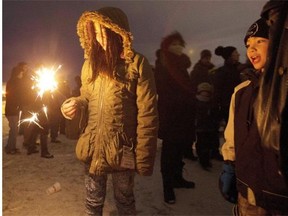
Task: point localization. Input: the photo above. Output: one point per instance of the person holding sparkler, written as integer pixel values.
(118, 89)
(37, 87)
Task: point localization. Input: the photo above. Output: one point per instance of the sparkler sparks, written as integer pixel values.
(33, 119)
(45, 80)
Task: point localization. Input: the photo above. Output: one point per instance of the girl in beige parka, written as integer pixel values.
(119, 96)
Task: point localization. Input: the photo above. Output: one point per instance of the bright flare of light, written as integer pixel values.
(45, 80)
(33, 119)
(45, 109)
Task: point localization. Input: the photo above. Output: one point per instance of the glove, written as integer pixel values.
(227, 183)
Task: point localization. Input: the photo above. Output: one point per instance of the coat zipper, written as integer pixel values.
(100, 107)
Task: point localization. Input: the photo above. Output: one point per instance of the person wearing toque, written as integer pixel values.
(251, 176)
(226, 78)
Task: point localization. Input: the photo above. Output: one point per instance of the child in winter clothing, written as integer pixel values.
(206, 124)
(119, 92)
(261, 187)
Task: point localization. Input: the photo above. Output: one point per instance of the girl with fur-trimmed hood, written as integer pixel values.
(119, 91)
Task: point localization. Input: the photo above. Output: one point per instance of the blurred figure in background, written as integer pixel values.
(202, 69)
(176, 98)
(206, 125)
(32, 104)
(56, 119)
(207, 135)
(12, 106)
(226, 78)
(271, 107)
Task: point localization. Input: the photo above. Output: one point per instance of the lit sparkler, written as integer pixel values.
(33, 119)
(45, 80)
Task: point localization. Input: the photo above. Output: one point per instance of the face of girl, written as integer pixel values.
(257, 48)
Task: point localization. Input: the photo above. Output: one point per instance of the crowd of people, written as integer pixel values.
(126, 105)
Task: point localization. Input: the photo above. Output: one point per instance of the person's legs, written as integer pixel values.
(44, 142)
(168, 160)
(13, 132)
(30, 137)
(62, 125)
(54, 127)
(123, 184)
(95, 194)
(203, 147)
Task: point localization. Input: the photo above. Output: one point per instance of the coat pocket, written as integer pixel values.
(119, 152)
(85, 146)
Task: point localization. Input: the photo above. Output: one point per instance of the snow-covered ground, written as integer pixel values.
(26, 178)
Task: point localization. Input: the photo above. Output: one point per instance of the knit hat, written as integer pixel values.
(166, 41)
(225, 52)
(204, 92)
(258, 29)
(205, 53)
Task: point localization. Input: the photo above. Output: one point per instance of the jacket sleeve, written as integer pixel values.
(83, 99)
(228, 148)
(147, 118)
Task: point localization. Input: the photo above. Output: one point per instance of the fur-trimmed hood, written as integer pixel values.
(109, 17)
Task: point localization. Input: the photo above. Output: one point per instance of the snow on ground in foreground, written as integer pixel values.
(26, 178)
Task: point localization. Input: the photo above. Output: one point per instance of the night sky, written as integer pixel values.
(44, 32)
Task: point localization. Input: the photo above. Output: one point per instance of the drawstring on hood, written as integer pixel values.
(111, 18)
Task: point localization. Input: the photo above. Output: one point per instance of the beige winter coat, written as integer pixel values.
(122, 111)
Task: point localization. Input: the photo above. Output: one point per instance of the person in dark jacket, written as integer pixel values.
(176, 98)
(202, 69)
(226, 78)
(271, 108)
(206, 125)
(201, 76)
(12, 106)
(261, 187)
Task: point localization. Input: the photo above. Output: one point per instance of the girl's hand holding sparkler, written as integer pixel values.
(69, 108)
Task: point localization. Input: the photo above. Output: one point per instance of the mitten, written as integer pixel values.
(227, 182)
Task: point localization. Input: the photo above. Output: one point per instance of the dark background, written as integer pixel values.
(44, 32)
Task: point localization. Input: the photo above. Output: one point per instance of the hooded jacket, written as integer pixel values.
(122, 110)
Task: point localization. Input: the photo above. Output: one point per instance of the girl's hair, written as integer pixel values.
(105, 61)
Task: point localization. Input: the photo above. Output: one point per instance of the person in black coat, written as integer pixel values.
(176, 112)
(12, 106)
(226, 78)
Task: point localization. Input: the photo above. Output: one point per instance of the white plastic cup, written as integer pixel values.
(54, 188)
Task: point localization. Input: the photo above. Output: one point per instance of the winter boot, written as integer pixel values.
(169, 195)
(179, 181)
